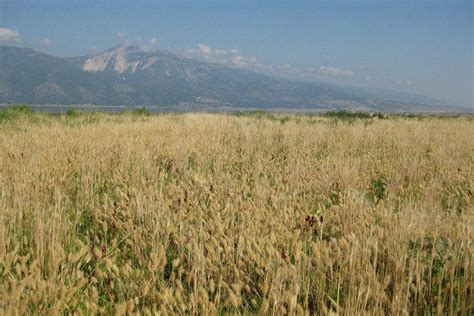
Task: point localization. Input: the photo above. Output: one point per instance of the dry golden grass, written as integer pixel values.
(207, 214)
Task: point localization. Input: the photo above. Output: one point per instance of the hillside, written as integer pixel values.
(130, 75)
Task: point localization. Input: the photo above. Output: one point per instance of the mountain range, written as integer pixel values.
(134, 76)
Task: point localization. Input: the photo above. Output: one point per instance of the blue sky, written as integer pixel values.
(424, 47)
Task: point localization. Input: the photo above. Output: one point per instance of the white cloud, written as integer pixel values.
(146, 46)
(206, 53)
(9, 35)
(224, 57)
(46, 42)
(333, 71)
(220, 52)
(153, 41)
(287, 68)
(235, 58)
(239, 61)
(204, 49)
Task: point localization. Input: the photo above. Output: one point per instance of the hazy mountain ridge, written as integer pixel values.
(131, 75)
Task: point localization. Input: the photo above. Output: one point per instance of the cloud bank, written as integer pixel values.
(153, 41)
(9, 35)
(232, 57)
(46, 42)
(236, 59)
(333, 71)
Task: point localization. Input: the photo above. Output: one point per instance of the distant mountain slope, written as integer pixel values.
(27, 76)
(130, 75)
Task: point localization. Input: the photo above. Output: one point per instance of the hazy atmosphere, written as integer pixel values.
(421, 47)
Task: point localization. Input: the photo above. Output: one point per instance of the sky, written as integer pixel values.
(422, 47)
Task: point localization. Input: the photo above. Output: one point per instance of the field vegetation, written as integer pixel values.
(235, 214)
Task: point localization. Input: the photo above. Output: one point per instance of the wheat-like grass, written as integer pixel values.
(207, 214)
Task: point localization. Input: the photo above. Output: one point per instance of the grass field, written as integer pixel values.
(255, 213)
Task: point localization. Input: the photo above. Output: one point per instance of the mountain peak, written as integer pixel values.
(131, 75)
(121, 59)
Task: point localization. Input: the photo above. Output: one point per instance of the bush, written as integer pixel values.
(15, 111)
(142, 111)
(71, 112)
(352, 116)
(378, 190)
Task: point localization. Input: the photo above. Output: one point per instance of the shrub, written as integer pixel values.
(142, 111)
(71, 112)
(378, 189)
(15, 111)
